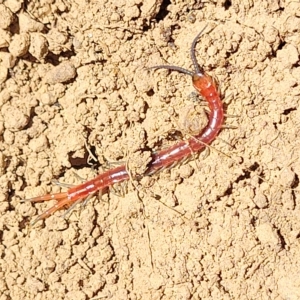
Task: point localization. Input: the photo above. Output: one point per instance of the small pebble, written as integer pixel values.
(61, 73)
(19, 45)
(7, 60)
(29, 25)
(7, 17)
(38, 46)
(14, 5)
(4, 38)
(14, 118)
(260, 200)
(267, 235)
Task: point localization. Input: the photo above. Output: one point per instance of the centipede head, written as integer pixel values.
(204, 83)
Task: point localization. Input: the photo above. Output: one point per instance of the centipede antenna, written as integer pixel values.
(173, 68)
(198, 69)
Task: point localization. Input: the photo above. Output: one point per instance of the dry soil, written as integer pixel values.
(74, 84)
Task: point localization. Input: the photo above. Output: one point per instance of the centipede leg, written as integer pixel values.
(51, 211)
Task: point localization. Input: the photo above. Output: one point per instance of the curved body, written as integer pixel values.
(206, 87)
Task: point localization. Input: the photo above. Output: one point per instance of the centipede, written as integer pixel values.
(207, 88)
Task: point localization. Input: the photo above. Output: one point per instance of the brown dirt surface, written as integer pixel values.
(74, 80)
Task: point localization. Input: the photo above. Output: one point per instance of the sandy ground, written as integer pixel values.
(225, 225)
